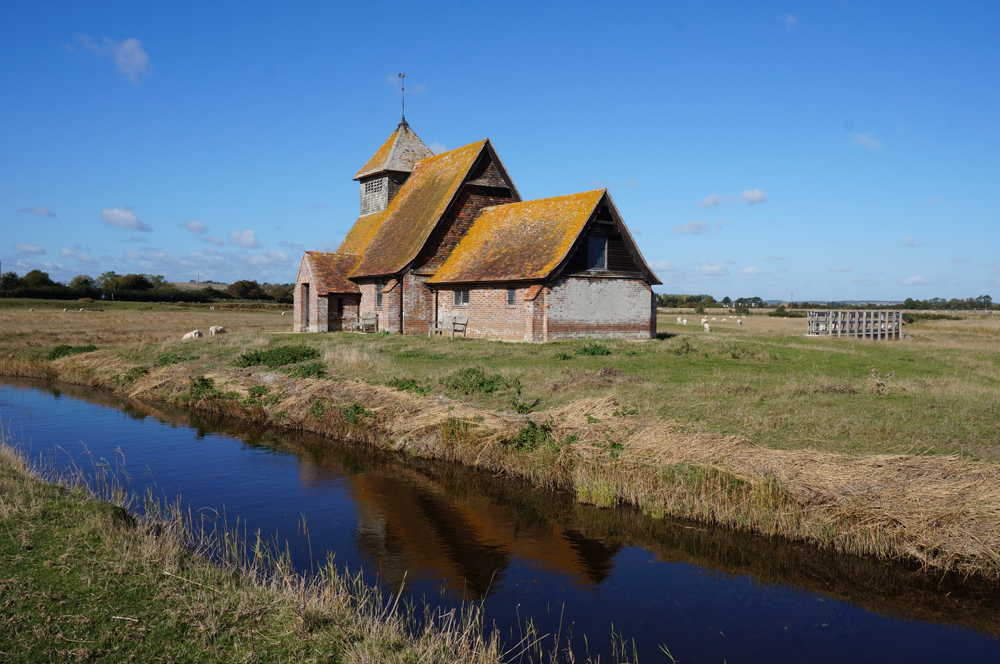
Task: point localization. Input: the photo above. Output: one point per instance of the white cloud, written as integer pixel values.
(82, 257)
(790, 21)
(751, 270)
(775, 257)
(632, 183)
(332, 245)
(246, 239)
(40, 210)
(662, 266)
(931, 201)
(959, 261)
(130, 58)
(124, 218)
(195, 226)
(710, 270)
(915, 279)
(867, 141)
(840, 269)
(215, 240)
(753, 196)
(711, 201)
(692, 228)
(29, 249)
(910, 242)
(437, 148)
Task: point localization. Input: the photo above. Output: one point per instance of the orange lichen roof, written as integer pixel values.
(519, 241)
(416, 210)
(361, 233)
(401, 152)
(330, 270)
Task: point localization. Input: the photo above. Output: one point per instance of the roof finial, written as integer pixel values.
(402, 83)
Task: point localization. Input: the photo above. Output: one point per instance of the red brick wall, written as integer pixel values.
(489, 315)
(418, 303)
(317, 304)
(335, 320)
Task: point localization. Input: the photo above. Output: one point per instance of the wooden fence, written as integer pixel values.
(857, 324)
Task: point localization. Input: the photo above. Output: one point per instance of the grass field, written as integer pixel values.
(754, 426)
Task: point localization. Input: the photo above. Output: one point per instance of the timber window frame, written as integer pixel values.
(461, 297)
(379, 285)
(597, 251)
(511, 297)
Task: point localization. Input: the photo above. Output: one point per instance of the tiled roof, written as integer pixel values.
(400, 152)
(330, 270)
(519, 241)
(416, 210)
(361, 233)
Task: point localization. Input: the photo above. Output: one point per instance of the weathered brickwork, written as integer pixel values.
(418, 303)
(454, 226)
(340, 307)
(489, 314)
(315, 319)
(598, 308)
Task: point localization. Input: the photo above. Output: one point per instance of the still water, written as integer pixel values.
(708, 594)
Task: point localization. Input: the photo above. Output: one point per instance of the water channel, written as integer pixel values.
(709, 594)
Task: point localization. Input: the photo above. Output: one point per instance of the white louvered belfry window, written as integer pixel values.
(374, 195)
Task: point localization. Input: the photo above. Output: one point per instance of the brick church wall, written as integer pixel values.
(599, 309)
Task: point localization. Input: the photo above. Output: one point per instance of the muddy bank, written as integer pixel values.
(941, 512)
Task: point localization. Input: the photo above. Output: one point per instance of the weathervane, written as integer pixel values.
(402, 83)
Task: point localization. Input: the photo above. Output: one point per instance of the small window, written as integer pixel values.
(462, 298)
(374, 196)
(597, 252)
(511, 297)
(379, 285)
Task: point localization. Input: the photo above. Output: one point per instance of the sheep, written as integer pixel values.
(282, 313)
(81, 309)
(684, 321)
(64, 310)
(739, 321)
(30, 309)
(713, 317)
(678, 319)
(707, 328)
(216, 329)
(193, 334)
(212, 308)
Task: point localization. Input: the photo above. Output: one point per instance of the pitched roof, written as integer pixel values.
(330, 270)
(401, 152)
(525, 241)
(518, 241)
(361, 233)
(415, 211)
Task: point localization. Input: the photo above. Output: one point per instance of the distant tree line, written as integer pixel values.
(134, 288)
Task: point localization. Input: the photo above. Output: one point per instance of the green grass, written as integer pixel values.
(277, 356)
(83, 580)
(64, 350)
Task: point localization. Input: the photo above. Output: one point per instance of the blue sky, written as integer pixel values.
(831, 150)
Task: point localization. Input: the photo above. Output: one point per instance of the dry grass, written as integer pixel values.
(663, 425)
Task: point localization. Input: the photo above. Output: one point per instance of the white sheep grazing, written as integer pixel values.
(212, 308)
(193, 334)
(216, 329)
(707, 328)
(81, 309)
(64, 310)
(282, 313)
(739, 321)
(713, 317)
(30, 309)
(684, 321)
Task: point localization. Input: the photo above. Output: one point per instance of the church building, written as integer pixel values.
(448, 236)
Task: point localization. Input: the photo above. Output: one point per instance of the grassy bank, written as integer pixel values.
(85, 580)
(753, 426)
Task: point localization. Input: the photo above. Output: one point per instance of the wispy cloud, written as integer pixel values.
(910, 242)
(196, 227)
(123, 217)
(215, 240)
(246, 239)
(933, 200)
(959, 261)
(753, 196)
(82, 257)
(867, 141)
(692, 228)
(129, 56)
(914, 280)
(33, 249)
(713, 270)
(632, 183)
(292, 245)
(40, 210)
(751, 271)
(438, 148)
(711, 201)
(790, 22)
(662, 266)
(775, 257)
(840, 269)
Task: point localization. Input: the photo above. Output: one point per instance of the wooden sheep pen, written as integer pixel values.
(858, 324)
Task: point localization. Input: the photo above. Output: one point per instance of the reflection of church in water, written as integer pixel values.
(408, 524)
